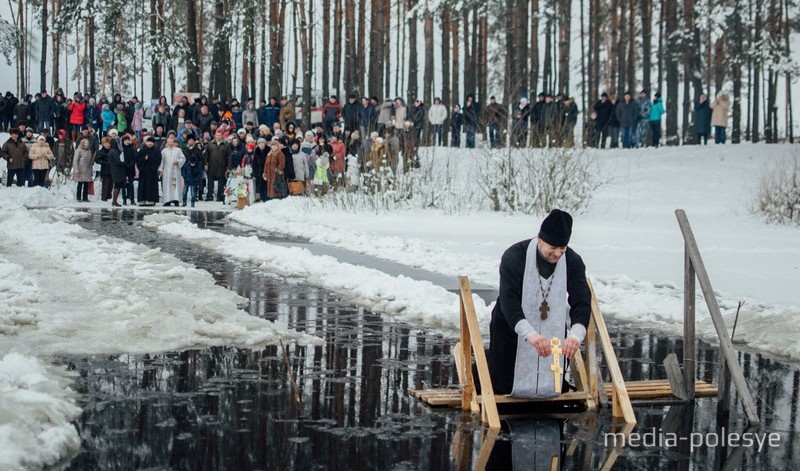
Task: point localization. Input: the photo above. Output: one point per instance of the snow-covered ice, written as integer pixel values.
(418, 302)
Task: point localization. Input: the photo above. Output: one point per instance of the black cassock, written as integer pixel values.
(502, 352)
(148, 161)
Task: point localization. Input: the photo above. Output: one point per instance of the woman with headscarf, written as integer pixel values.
(40, 155)
(82, 164)
(273, 168)
(63, 150)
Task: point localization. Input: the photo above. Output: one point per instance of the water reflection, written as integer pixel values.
(343, 405)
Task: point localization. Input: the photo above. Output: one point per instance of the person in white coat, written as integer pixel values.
(436, 116)
(172, 160)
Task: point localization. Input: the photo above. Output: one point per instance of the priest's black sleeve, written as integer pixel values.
(579, 297)
(512, 273)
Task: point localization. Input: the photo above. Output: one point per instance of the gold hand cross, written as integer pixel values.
(555, 346)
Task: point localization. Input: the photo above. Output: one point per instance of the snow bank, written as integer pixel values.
(27, 197)
(415, 301)
(36, 413)
(629, 238)
(145, 301)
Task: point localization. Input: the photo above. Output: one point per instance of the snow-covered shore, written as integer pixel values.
(629, 237)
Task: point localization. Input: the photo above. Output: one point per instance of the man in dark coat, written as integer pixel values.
(603, 110)
(16, 154)
(104, 158)
(350, 113)
(44, 108)
(497, 119)
(148, 160)
(522, 114)
(702, 119)
(627, 112)
(366, 117)
(218, 153)
(471, 112)
(570, 119)
(537, 121)
(513, 318)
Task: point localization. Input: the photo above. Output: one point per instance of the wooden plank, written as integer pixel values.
(676, 379)
(689, 342)
(592, 362)
(625, 409)
(719, 323)
(490, 406)
(565, 397)
(465, 360)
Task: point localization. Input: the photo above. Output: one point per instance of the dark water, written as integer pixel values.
(343, 405)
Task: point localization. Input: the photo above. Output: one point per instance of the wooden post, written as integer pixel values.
(621, 405)
(726, 347)
(591, 360)
(689, 360)
(466, 359)
(489, 404)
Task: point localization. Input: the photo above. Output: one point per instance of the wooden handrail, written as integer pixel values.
(729, 355)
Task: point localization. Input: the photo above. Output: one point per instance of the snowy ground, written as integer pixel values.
(67, 291)
(59, 282)
(629, 238)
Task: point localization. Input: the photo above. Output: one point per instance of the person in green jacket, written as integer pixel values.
(122, 122)
(656, 112)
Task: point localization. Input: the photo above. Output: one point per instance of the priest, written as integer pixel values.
(542, 287)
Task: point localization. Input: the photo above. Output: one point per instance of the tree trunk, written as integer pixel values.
(277, 22)
(520, 72)
(646, 14)
(307, 66)
(548, 55)
(564, 31)
(456, 91)
(360, 70)
(376, 40)
(631, 62)
(671, 62)
(412, 91)
(427, 80)
(350, 54)
(468, 66)
(337, 45)
(511, 82)
(594, 55)
(622, 78)
(56, 39)
(262, 82)
(735, 45)
(755, 97)
(326, 48)
(660, 57)
(193, 55)
(533, 82)
(789, 115)
(43, 62)
(155, 62)
(221, 63)
(613, 51)
(201, 48)
(387, 66)
(246, 53)
(693, 63)
(92, 71)
(446, 65)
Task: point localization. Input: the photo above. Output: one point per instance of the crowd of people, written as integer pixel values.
(193, 145)
(630, 121)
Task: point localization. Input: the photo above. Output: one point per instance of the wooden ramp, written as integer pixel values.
(661, 389)
(585, 374)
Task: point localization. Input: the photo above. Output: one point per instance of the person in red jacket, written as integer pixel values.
(77, 108)
(331, 112)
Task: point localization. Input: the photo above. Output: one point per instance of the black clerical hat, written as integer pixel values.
(556, 228)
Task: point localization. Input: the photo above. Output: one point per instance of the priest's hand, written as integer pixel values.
(570, 346)
(541, 344)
